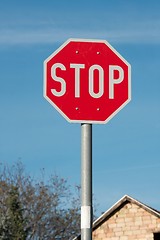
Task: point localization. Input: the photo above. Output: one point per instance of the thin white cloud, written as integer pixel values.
(43, 34)
(130, 169)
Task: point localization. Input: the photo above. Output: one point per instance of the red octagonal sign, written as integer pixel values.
(87, 81)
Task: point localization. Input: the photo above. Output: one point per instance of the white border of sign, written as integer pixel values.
(87, 40)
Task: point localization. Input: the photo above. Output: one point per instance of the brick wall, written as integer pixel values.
(130, 222)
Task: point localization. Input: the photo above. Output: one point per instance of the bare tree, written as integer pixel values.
(49, 210)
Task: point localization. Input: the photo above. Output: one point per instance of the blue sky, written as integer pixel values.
(126, 151)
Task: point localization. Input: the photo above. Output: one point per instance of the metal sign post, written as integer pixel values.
(86, 181)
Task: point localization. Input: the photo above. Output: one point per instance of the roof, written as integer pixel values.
(118, 205)
(123, 201)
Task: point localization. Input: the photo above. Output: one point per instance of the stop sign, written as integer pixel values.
(87, 81)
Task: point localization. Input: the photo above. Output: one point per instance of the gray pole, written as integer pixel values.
(86, 181)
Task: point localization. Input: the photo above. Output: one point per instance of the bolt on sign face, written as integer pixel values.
(87, 81)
